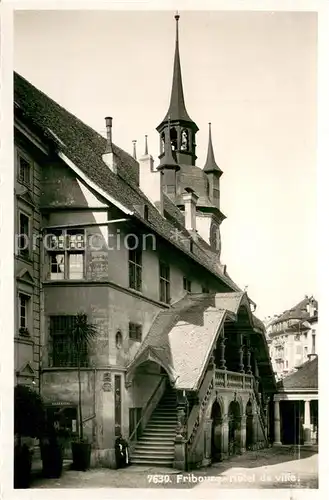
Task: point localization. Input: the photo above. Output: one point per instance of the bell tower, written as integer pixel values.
(182, 128)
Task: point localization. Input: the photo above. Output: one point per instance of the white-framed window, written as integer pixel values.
(66, 254)
(24, 307)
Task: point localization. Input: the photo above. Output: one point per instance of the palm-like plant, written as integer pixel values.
(82, 335)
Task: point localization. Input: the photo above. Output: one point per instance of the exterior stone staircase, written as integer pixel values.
(156, 444)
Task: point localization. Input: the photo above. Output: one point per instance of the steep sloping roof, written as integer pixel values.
(299, 311)
(183, 336)
(84, 147)
(306, 377)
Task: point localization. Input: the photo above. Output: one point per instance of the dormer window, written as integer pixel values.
(146, 212)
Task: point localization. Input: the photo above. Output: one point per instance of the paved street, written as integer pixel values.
(271, 468)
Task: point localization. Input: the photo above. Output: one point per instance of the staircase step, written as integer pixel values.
(152, 446)
(157, 453)
(160, 440)
(162, 428)
(147, 461)
(158, 434)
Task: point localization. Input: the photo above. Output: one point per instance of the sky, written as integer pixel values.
(253, 75)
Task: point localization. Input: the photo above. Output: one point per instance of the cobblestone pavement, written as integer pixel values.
(271, 468)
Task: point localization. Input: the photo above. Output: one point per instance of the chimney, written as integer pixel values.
(108, 155)
(190, 199)
(150, 179)
(311, 307)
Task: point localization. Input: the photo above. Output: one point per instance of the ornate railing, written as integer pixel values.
(196, 416)
(233, 380)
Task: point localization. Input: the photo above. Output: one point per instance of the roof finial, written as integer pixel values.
(146, 146)
(134, 149)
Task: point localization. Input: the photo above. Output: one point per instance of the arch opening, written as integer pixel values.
(216, 432)
(234, 424)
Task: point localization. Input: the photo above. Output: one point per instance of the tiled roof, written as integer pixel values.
(299, 311)
(306, 377)
(85, 147)
(182, 336)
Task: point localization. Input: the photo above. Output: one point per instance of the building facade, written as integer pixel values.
(180, 366)
(292, 337)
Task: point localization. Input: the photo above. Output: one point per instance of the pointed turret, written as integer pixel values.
(211, 165)
(213, 173)
(168, 167)
(182, 129)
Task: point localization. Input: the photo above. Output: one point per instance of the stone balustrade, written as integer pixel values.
(232, 380)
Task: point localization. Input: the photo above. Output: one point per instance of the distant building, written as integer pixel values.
(292, 336)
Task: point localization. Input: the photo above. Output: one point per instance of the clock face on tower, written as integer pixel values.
(215, 239)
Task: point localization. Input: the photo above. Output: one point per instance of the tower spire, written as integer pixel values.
(177, 109)
(211, 165)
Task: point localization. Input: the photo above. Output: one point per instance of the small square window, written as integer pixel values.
(135, 332)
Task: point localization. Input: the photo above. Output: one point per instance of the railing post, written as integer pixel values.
(225, 379)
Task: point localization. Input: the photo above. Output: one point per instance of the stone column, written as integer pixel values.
(307, 423)
(277, 424)
(242, 434)
(256, 374)
(241, 353)
(222, 363)
(180, 439)
(255, 425)
(248, 356)
(207, 426)
(224, 447)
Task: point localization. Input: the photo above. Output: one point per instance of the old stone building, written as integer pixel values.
(180, 365)
(292, 336)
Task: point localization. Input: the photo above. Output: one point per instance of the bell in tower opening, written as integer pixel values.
(184, 140)
(173, 138)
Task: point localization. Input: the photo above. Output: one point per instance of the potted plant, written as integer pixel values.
(29, 423)
(81, 335)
